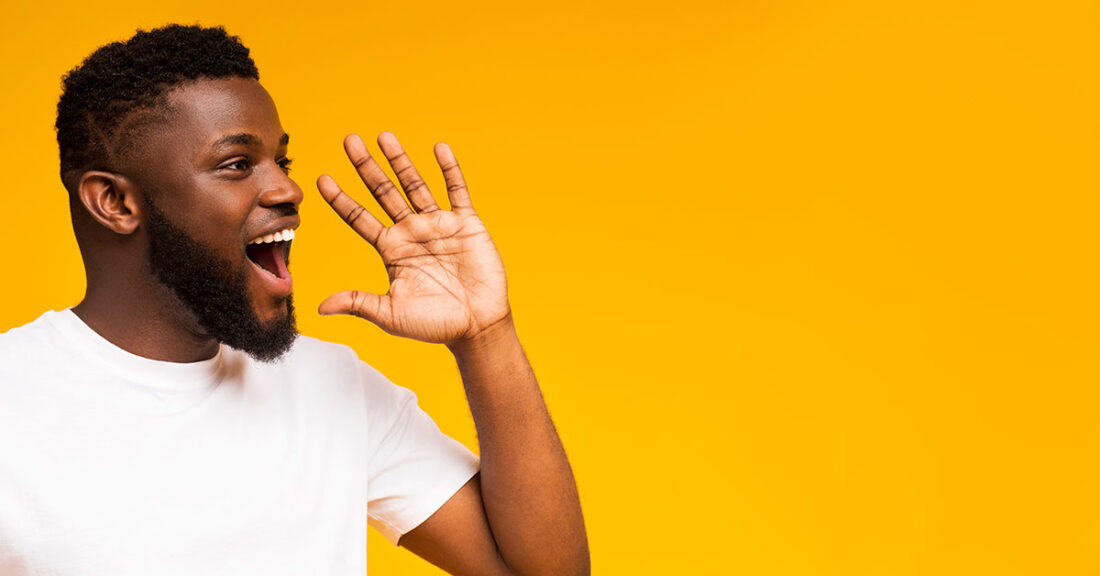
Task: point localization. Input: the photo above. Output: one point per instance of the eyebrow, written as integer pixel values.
(247, 140)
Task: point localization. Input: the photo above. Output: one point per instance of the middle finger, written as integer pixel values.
(411, 182)
(383, 189)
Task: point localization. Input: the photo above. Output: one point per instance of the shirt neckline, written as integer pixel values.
(157, 373)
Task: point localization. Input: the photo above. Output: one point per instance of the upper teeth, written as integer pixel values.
(279, 236)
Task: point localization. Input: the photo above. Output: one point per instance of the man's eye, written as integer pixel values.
(285, 163)
(241, 164)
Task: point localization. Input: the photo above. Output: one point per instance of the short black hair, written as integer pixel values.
(124, 77)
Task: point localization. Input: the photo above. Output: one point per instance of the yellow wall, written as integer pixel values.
(811, 287)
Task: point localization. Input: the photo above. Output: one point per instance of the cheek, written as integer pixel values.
(217, 210)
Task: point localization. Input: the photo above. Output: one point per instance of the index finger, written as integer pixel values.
(356, 216)
(411, 182)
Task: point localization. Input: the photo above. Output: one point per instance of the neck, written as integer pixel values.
(144, 318)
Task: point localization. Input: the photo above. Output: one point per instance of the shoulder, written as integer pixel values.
(316, 361)
(327, 376)
(33, 356)
(313, 354)
(36, 329)
(29, 342)
(310, 350)
(337, 364)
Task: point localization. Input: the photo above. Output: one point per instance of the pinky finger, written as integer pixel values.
(457, 192)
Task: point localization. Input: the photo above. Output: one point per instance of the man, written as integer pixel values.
(174, 422)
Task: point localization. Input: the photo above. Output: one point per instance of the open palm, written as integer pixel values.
(447, 281)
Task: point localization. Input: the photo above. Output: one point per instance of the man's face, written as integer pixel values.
(214, 176)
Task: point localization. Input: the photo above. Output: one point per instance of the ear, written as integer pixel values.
(111, 199)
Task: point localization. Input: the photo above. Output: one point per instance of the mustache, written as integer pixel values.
(277, 212)
(284, 210)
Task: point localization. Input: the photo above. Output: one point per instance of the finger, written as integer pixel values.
(411, 182)
(351, 211)
(457, 193)
(384, 190)
(366, 305)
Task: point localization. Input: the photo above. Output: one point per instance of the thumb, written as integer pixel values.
(366, 305)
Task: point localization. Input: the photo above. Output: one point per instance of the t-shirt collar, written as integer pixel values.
(177, 375)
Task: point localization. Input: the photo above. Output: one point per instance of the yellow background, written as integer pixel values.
(810, 287)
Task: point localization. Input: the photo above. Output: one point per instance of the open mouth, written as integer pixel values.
(271, 252)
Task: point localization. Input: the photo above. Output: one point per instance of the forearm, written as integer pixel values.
(527, 486)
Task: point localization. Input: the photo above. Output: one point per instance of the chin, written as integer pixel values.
(269, 317)
(268, 340)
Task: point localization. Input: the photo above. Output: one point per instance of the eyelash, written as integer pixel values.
(284, 164)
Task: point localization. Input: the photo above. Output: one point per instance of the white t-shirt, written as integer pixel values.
(112, 463)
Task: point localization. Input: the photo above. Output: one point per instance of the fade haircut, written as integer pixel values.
(97, 115)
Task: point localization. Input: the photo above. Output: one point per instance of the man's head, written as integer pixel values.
(120, 88)
(175, 162)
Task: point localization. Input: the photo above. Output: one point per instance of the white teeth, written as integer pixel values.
(280, 236)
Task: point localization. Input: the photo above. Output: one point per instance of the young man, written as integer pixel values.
(174, 422)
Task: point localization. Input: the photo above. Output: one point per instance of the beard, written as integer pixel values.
(215, 291)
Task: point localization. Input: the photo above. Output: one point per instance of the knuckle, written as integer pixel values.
(383, 189)
(405, 169)
(362, 161)
(355, 213)
(403, 212)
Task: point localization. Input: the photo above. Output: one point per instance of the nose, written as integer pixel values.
(281, 190)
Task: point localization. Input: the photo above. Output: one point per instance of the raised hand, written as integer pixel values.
(447, 281)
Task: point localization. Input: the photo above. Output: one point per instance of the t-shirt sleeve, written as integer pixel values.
(412, 467)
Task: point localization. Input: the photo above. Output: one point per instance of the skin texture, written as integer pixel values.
(216, 290)
(521, 514)
(223, 194)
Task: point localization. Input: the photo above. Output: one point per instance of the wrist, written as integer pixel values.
(492, 335)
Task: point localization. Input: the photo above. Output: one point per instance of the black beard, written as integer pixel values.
(215, 291)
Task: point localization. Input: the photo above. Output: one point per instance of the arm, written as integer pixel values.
(521, 515)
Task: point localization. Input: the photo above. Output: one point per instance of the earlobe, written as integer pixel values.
(111, 199)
